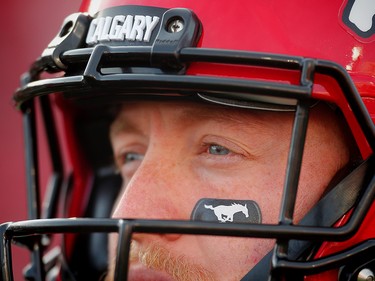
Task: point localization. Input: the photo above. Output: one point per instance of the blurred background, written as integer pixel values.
(26, 28)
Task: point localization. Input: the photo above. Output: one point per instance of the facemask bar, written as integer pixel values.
(32, 180)
(32, 176)
(91, 82)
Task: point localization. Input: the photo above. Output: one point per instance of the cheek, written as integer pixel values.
(262, 183)
(268, 195)
(324, 155)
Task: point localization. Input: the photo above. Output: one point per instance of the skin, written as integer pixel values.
(171, 154)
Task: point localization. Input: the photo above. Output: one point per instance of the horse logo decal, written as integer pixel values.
(220, 210)
(226, 213)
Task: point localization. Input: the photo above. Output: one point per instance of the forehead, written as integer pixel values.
(133, 114)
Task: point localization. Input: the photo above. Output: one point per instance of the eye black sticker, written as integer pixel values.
(227, 211)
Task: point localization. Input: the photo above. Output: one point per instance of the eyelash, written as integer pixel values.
(226, 150)
(128, 158)
(132, 156)
(219, 149)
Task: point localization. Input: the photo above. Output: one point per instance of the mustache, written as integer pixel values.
(157, 257)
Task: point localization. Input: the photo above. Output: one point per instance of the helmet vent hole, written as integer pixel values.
(66, 28)
(175, 24)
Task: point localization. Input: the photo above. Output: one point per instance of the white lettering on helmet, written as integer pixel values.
(120, 28)
(150, 26)
(116, 27)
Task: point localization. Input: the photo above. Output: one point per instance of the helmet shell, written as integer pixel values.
(340, 31)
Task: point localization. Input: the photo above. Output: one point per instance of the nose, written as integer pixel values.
(153, 192)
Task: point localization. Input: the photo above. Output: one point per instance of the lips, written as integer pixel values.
(139, 272)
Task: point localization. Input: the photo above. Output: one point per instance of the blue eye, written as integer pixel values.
(218, 150)
(132, 156)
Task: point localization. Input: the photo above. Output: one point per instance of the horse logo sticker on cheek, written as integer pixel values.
(226, 211)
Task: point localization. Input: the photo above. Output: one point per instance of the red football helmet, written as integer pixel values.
(273, 55)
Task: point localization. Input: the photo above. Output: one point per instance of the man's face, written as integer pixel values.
(172, 154)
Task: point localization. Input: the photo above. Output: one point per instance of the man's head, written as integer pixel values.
(172, 154)
(224, 141)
